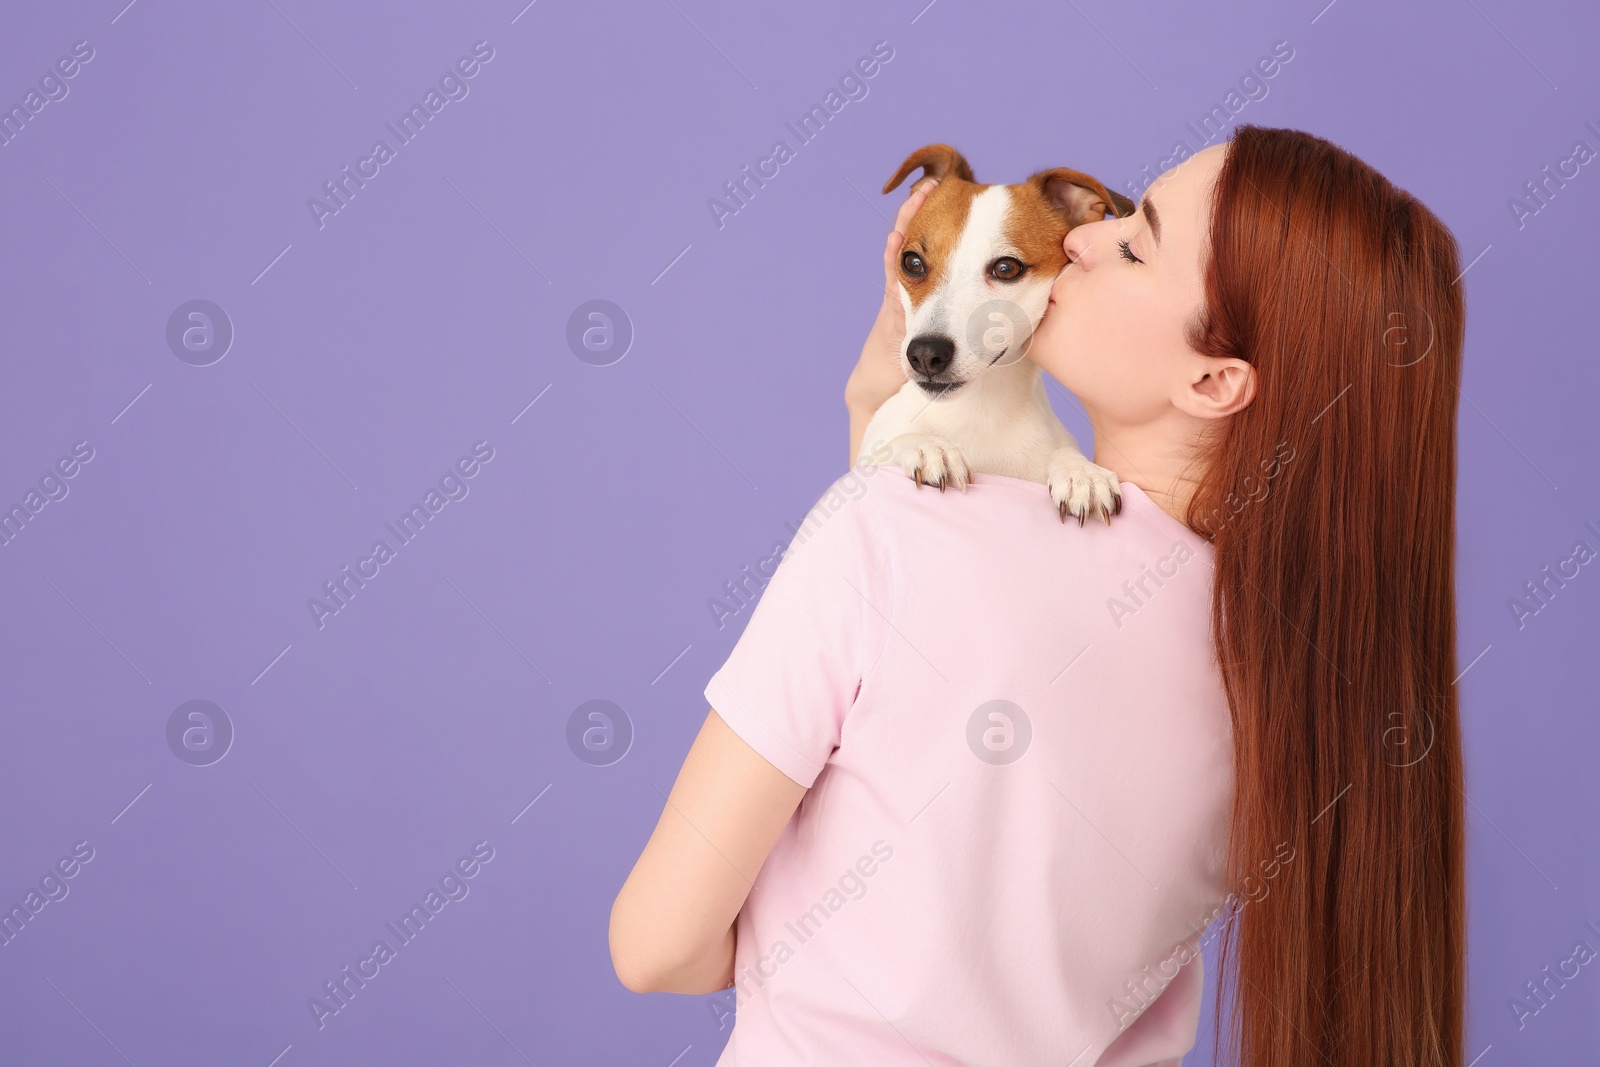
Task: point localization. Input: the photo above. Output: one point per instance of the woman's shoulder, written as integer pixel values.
(996, 513)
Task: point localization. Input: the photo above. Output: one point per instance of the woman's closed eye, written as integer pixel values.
(1127, 252)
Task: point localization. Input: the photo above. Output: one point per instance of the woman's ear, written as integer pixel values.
(1220, 387)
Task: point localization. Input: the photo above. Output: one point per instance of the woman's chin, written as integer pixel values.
(1041, 348)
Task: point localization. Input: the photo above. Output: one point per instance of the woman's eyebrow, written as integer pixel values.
(1150, 215)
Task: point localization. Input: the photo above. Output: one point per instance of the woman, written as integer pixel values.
(1257, 724)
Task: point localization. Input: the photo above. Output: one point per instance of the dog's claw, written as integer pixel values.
(1080, 487)
(929, 460)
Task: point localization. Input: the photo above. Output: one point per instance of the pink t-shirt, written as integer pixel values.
(1020, 767)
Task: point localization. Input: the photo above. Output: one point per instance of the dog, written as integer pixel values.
(976, 267)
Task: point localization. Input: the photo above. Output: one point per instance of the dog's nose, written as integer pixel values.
(930, 354)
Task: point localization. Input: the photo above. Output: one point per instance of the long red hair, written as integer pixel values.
(1330, 502)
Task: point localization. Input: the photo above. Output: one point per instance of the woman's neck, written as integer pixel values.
(1157, 457)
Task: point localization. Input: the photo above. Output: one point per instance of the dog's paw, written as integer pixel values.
(930, 460)
(1081, 488)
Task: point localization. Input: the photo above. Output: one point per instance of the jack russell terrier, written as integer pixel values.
(976, 268)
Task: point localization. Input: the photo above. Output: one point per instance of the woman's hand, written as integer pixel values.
(878, 375)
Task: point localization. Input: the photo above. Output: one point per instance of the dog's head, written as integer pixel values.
(978, 261)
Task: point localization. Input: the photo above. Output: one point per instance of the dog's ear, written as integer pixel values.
(1125, 207)
(1080, 197)
(937, 161)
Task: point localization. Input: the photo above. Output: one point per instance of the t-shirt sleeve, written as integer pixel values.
(812, 637)
(1166, 1029)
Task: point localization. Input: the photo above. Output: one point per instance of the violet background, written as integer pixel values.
(432, 311)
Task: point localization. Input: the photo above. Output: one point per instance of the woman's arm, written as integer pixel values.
(672, 925)
(878, 375)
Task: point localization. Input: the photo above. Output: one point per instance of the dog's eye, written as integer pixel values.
(1006, 269)
(913, 265)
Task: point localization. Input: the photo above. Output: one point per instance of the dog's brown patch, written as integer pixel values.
(934, 232)
(1046, 207)
(1037, 229)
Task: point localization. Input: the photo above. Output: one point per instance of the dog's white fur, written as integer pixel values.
(998, 419)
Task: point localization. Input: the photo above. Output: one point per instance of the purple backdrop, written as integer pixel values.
(219, 397)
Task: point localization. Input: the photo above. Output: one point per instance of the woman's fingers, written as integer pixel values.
(891, 248)
(914, 201)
